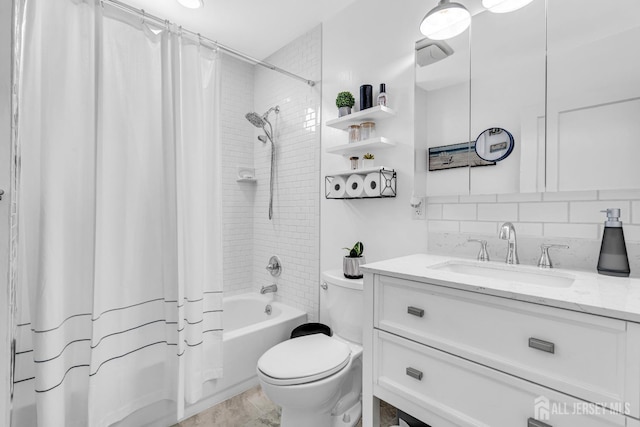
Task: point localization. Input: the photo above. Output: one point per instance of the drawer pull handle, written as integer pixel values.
(542, 345)
(414, 373)
(415, 311)
(532, 422)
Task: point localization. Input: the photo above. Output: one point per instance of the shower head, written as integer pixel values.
(258, 120)
(255, 119)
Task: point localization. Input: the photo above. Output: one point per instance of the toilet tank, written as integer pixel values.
(341, 305)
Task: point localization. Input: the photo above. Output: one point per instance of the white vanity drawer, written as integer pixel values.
(586, 356)
(442, 386)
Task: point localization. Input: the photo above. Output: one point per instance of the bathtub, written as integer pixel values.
(248, 332)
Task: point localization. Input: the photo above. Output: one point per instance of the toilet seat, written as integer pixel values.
(303, 360)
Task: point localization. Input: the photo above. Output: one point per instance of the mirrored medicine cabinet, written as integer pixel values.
(561, 76)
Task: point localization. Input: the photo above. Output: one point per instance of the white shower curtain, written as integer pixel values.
(119, 211)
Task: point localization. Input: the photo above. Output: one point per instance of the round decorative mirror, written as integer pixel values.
(494, 144)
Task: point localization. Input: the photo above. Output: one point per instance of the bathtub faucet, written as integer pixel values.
(268, 289)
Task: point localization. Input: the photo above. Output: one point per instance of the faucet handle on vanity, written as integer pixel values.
(545, 259)
(483, 255)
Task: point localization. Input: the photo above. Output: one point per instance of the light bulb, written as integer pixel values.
(445, 21)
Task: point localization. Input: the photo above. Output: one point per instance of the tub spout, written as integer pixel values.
(268, 289)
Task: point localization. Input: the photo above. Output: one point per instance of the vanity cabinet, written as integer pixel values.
(457, 358)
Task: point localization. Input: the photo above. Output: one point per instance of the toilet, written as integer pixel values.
(317, 379)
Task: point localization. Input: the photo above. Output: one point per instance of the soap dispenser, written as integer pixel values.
(613, 259)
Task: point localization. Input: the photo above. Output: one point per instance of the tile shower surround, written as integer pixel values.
(293, 234)
(572, 218)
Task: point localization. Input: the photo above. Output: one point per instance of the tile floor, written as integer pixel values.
(253, 409)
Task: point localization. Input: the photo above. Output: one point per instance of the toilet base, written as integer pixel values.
(293, 418)
(350, 418)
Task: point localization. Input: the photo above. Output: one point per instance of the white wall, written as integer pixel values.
(372, 42)
(5, 152)
(293, 234)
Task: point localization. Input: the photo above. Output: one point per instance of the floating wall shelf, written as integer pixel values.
(359, 171)
(378, 112)
(361, 146)
(370, 183)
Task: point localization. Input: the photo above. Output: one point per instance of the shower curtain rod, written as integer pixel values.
(215, 44)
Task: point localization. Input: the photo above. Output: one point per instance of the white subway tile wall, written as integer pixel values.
(577, 212)
(249, 237)
(565, 217)
(293, 234)
(497, 212)
(238, 144)
(544, 212)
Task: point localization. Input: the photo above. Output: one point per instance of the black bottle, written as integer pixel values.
(613, 259)
(366, 97)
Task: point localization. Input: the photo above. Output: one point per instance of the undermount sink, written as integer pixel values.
(510, 273)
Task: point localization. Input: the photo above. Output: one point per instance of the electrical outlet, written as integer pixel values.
(419, 211)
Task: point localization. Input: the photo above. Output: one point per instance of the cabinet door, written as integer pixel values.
(593, 95)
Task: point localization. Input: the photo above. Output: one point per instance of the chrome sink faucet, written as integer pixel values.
(269, 289)
(508, 232)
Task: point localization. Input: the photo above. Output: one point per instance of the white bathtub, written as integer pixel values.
(248, 333)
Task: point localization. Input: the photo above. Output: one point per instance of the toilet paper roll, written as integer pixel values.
(338, 188)
(355, 185)
(372, 184)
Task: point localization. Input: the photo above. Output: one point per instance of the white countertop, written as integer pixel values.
(615, 297)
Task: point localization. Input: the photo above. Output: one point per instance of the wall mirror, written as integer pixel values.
(507, 91)
(593, 95)
(442, 113)
(571, 61)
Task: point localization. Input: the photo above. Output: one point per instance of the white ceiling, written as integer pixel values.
(255, 27)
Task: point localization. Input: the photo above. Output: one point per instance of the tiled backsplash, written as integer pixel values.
(573, 218)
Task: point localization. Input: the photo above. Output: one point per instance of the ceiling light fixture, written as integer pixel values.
(192, 4)
(504, 6)
(445, 21)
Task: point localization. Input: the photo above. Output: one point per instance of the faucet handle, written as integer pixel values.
(483, 255)
(545, 259)
(275, 266)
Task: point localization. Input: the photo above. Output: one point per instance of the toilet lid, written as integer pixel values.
(304, 359)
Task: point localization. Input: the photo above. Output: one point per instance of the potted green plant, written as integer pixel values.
(352, 262)
(345, 101)
(367, 161)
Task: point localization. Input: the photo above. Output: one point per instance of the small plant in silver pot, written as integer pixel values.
(345, 101)
(351, 263)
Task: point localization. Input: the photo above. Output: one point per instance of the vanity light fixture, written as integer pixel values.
(445, 21)
(504, 6)
(192, 4)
